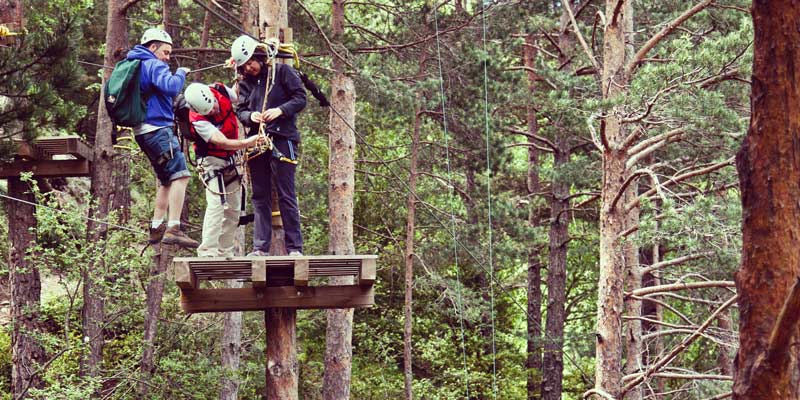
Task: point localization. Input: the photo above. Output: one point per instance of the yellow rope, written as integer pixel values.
(5, 31)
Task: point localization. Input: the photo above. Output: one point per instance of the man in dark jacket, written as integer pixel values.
(156, 138)
(287, 97)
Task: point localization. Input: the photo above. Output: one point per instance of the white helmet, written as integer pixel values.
(157, 35)
(243, 49)
(200, 98)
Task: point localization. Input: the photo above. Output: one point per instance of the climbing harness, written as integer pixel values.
(224, 176)
(266, 146)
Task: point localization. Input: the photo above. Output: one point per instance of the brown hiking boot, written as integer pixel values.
(174, 235)
(157, 233)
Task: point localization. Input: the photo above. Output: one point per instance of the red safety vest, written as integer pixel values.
(225, 121)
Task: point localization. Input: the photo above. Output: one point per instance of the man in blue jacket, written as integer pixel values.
(156, 137)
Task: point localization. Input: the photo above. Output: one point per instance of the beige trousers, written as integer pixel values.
(221, 220)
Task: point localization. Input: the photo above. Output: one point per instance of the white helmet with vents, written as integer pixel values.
(243, 49)
(200, 98)
(157, 35)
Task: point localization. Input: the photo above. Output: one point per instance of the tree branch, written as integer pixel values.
(673, 287)
(637, 59)
(578, 33)
(542, 139)
(680, 178)
(640, 151)
(675, 261)
(678, 349)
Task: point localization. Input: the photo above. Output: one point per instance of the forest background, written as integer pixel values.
(510, 119)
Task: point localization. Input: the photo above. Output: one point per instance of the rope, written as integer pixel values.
(489, 199)
(452, 195)
(5, 32)
(138, 232)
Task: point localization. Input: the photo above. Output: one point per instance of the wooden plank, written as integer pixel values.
(71, 145)
(259, 274)
(257, 299)
(184, 277)
(301, 272)
(46, 168)
(366, 276)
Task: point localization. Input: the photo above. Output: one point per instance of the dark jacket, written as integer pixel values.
(159, 86)
(287, 93)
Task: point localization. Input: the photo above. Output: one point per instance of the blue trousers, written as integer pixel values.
(263, 170)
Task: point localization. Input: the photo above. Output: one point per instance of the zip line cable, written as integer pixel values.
(489, 198)
(138, 232)
(452, 196)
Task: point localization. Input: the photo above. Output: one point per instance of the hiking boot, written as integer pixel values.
(295, 253)
(157, 233)
(174, 235)
(258, 253)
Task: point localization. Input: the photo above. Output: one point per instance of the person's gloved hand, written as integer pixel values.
(184, 69)
(255, 116)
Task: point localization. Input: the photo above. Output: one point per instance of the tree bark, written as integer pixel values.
(154, 293)
(281, 353)
(533, 362)
(411, 204)
(553, 363)
(272, 13)
(769, 176)
(341, 167)
(232, 334)
(93, 312)
(281, 324)
(27, 354)
(613, 220)
(168, 14)
(249, 17)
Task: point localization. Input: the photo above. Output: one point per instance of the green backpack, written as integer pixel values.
(124, 101)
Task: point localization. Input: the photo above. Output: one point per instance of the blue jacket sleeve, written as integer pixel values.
(165, 81)
(294, 89)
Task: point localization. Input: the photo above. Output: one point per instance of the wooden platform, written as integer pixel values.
(275, 282)
(57, 156)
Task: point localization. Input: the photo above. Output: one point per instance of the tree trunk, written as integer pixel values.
(613, 221)
(169, 12)
(341, 166)
(249, 17)
(272, 13)
(231, 341)
(281, 353)
(553, 365)
(280, 323)
(533, 362)
(201, 58)
(93, 297)
(724, 360)
(769, 176)
(154, 294)
(27, 354)
(411, 204)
